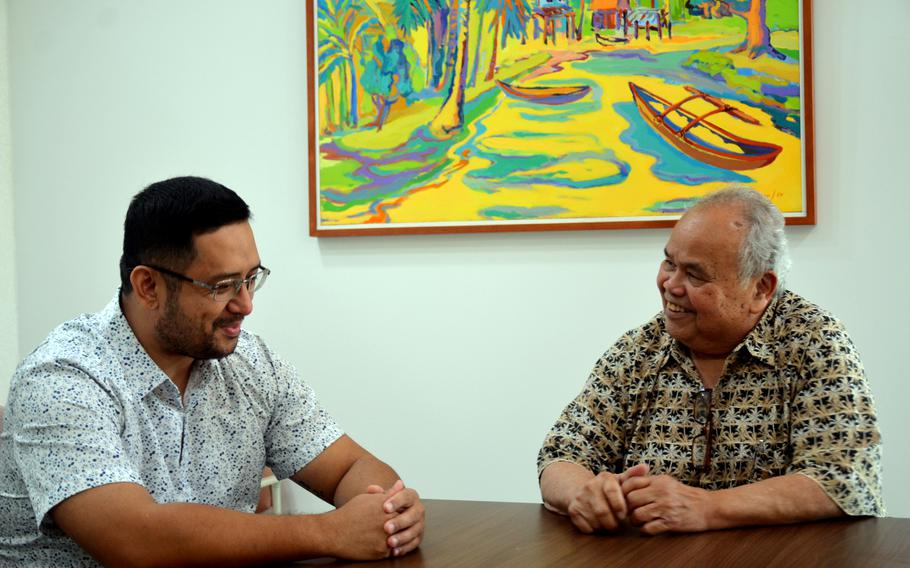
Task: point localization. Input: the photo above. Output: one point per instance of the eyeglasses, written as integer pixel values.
(701, 449)
(223, 290)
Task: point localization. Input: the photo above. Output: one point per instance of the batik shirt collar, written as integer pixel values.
(758, 343)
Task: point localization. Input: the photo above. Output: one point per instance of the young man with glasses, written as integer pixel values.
(137, 436)
(740, 403)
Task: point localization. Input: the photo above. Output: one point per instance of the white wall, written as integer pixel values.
(9, 332)
(449, 356)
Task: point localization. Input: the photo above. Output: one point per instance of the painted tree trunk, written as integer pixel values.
(758, 36)
(492, 69)
(581, 22)
(451, 116)
(353, 102)
(475, 65)
(328, 126)
(431, 52)
(343, 91)
(382, 105)
(440, 19)
(451, 45)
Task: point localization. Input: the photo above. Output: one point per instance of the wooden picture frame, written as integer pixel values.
(540, 115)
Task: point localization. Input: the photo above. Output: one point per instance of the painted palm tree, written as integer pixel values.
(342, 30)
(411, 15)
(450, 118)
(511, 20)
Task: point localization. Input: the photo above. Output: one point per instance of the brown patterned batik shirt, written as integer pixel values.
(793, 398)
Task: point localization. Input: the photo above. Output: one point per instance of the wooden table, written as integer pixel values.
(475, 534)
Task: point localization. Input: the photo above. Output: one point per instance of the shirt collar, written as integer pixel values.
(139, 370)
(759, 343)
(667, 347)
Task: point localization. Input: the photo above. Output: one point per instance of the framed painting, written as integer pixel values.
(445, 116)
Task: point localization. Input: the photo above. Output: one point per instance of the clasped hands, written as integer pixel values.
(405, 529)
(379, 523)
(656, 504)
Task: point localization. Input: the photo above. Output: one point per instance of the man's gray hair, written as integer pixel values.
(764, 247)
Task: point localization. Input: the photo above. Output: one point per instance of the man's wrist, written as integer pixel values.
(712, 507)
(317, 534)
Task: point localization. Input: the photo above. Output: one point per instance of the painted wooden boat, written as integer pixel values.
(545, 95)
(699, 138)
(609, 41)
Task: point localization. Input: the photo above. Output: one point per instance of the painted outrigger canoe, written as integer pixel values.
(545, 95)
(693, 134)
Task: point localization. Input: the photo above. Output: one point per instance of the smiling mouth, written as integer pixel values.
(230, 327)
(676, 308)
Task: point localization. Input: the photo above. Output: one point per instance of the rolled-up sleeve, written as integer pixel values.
(589, 431)
(834, 429)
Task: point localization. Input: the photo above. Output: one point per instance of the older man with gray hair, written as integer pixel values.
(740, 403)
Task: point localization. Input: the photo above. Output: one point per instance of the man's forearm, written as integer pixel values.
(182, 534)
(778, 500)
(559, 482)
(366, 471)
(199, 535)
(121, 525)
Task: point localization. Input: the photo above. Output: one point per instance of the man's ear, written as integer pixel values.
(765, 287)
(148, 287)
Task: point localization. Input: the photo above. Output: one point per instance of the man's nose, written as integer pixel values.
(242, 303)
(673, 283)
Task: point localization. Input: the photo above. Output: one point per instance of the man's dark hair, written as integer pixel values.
(163, 218)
